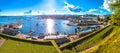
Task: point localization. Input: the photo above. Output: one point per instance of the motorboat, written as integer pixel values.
(19, 26)
(72, 24)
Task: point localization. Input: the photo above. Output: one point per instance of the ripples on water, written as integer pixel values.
(40, 26)
(50, 25)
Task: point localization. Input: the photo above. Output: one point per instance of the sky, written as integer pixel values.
(44, 7)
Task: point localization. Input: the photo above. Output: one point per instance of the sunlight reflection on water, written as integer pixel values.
(40, 26)
(50, 26)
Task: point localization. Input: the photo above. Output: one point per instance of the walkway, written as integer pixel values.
(1, 42)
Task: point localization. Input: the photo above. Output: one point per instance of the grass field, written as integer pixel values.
(112, 45)
(89, 42)
(13, 46)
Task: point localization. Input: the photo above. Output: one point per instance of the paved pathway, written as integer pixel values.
(1, 42)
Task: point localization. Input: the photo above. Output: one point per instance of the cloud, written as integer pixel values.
(95, 11)
(72, 8)
(101, 11)
(106, 5)
(28, 12)
(32, 12)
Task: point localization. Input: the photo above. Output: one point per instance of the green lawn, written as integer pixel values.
(89, 42)
(112, 45)
(13, 46)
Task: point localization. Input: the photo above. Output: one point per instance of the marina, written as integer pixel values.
(59, 26)
(40, 26)
(36, 28)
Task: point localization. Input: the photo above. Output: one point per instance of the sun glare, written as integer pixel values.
(50, 26)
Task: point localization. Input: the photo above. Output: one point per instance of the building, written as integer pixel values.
(88, 20)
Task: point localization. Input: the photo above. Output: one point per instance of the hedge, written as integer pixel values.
(79, 40)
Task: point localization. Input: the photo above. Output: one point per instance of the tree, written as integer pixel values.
(115, 9)
(115, 19)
